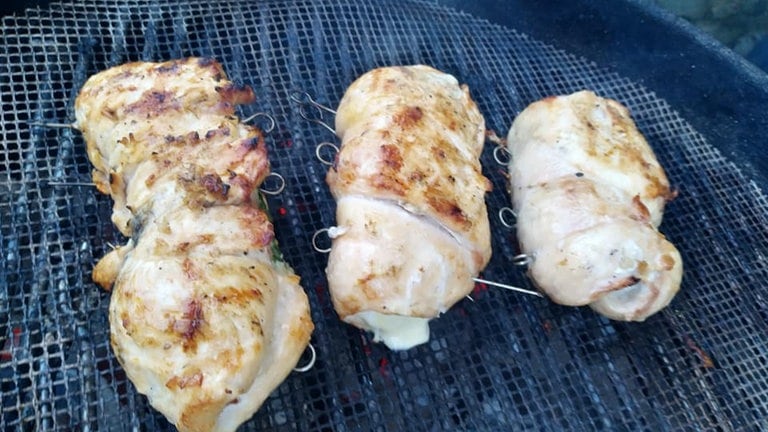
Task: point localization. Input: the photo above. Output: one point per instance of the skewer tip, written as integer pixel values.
(509, 287)
(55, 125)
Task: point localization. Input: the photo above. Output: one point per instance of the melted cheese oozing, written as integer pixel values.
(397, 332)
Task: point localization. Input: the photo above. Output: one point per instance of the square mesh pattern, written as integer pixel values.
(501, 362)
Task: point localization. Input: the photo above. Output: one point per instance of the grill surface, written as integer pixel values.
(502, 362)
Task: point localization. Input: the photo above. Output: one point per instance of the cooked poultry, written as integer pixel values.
(410, 202)
(205, 318)
(589, 196)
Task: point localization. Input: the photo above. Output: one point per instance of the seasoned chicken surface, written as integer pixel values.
(589, 196)
(205, 319)
(410, 202)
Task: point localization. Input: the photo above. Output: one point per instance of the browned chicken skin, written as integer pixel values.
(589, 196)
(410, 202)
(204, 317)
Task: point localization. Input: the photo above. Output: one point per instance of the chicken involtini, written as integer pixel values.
(412, 221)
(205, 318)
(589, 195)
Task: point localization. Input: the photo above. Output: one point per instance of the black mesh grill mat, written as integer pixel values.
(501, 362)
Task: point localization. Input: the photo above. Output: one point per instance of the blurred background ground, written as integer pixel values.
(741, 25)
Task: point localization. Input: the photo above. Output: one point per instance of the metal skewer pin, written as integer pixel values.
(68, 183)
(269, 118)
(501, 155)
(266, 190)
(280, 187)
(53, 125)
(503, 212)
(520, 260)
(508, 287)
(311, 362)
(304, 100)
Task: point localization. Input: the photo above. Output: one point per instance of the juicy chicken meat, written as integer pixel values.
(410, 202)
(205, 319)
(589, 196)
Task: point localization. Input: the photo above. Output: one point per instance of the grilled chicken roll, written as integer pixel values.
(410, 199)
(205, 318)
(589, 196)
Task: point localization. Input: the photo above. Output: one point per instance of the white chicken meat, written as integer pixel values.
(410, 199)
(205, 318)
(589, 195)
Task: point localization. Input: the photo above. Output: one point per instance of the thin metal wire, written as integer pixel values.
(304, 100)
(522, 260)
(508, 287)
(333, 232)
(319, 121)
(503, 219)
(311, 363)
(271, 119)
(319, 155)
(279, 189)
(68, 183)
(55, 125)
(499, 150)
(314, 241)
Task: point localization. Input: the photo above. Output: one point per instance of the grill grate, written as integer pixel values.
(502, 362)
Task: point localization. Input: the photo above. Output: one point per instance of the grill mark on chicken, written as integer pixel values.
(189, 139)
(170, 68)
(391, 157)
(190, 269)
(125, 320)
(449, 209)
(201, 190)
(235, 94)
(408, 117)
(194, 379)
(186, 247)
(438, 151)
(190, 325)
(389, 178)
(153, 103)
(667, 262)
(641, 211)
(233, 295)
(214, 185)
